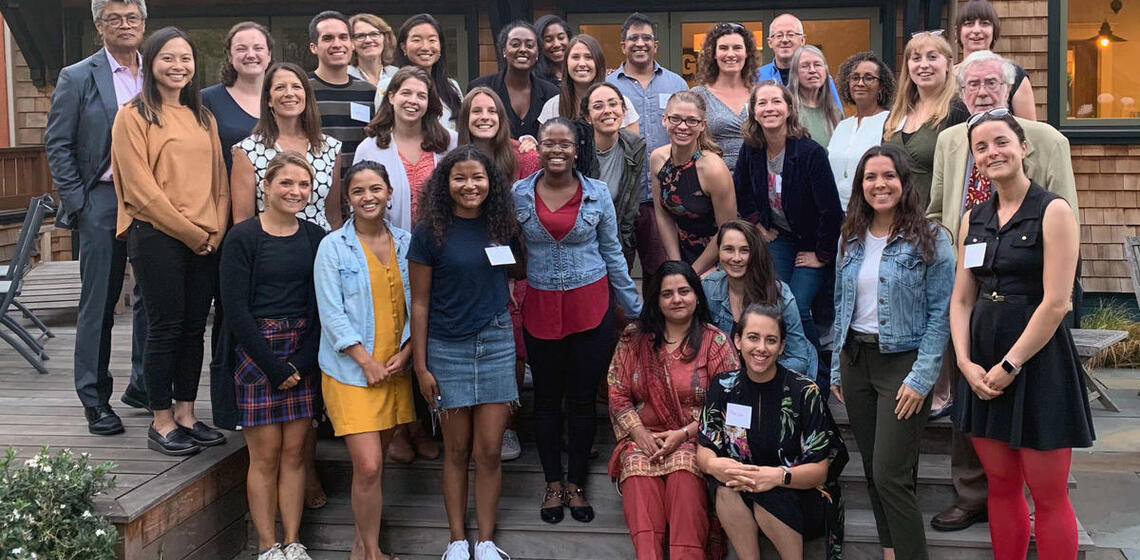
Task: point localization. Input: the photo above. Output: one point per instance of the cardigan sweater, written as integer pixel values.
(171, 175)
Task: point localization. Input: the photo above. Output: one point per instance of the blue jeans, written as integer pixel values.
(805, 284)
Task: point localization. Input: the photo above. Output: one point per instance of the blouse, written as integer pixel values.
(324, 163)
(849, 141)
(724, 125)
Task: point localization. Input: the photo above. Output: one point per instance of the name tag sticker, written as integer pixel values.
(360, 112)
(663, 99)
(738, 416)
(975, 255)
(500, 255)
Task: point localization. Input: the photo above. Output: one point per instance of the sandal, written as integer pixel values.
(553, 514)
(585, 514)
(315, 497)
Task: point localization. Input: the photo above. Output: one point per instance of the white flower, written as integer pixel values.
(17, 551)
(47, 468)
(100, 532)
(86, 514)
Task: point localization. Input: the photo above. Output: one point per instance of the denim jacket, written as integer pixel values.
(799, 355)
(344, 299)
(590, 251)
(915, 312)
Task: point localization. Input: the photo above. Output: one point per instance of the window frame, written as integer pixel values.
(1078, 131)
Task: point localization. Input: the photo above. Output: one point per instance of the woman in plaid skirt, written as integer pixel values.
(271, 313)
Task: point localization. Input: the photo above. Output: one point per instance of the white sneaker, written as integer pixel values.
(486, 550)
(457, 550)
(296, 551)
(272, 553)
(511, 447)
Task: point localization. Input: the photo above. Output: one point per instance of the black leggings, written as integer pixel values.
(177, 288)
(569, 368)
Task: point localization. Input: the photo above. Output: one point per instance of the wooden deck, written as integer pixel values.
(164, 507)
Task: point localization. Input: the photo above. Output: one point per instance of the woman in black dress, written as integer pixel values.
(1027, 408)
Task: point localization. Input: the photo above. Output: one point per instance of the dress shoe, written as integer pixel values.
(135, 399)
(955, 519)
(204, 435)
(175, 443)
(102, 420)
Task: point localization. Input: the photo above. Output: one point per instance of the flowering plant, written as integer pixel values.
(46, 508)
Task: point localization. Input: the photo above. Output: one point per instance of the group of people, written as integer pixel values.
(382, 248)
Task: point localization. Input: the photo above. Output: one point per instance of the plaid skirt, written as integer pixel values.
(261, 403)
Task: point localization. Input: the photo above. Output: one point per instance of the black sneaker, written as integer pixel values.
(175, 443)
(102, 420)
(204, 435)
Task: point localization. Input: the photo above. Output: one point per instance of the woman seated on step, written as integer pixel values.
(770, 447)
(658, 378)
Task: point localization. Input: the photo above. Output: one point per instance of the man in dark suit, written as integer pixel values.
(78, 144)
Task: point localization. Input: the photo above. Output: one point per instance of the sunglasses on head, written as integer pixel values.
(991, 115)
(931, 32)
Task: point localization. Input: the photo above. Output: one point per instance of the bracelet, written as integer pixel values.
(295, 372)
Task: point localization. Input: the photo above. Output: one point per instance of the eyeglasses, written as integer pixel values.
(691, 122)
(118, 20)
(931, 32)
(646, 37)
(374, 35)
(991, 85)
(790, 35)
(550, 145)
(991, 115)
(868, 79)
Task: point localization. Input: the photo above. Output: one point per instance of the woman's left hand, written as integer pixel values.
(527, 144)
(808, 259)
(909, 402)
(399, 361)
(753, 478)
(997, 379)
(668, 442)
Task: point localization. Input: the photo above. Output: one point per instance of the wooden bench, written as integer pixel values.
(52, 286)
(1090, 343)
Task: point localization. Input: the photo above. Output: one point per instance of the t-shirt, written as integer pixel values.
(865, 319)
(282, 289)
(776, 193)
(234, 124)
(466, 291)
(338, 103)
(815, 122)
(611, 164)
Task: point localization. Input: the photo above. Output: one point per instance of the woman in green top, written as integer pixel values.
(818, 110)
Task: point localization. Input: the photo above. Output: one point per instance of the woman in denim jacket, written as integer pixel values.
(363, 297)
(573, 263)
(747, 276)
(892, 296)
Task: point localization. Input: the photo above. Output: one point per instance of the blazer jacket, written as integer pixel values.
(78, 135)
(1047, 163)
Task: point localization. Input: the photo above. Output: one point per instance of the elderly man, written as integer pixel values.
(785, 35)
(985, 80)
(78, 145)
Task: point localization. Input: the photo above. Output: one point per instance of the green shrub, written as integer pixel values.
(47, 508)
(1123, 354)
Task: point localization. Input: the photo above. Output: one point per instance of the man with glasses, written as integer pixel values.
(785, 35)
(78, 145)
(345, 102)
(957, 186)
(647, 85)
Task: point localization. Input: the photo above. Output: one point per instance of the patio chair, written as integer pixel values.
(23, 341)
(25, 231)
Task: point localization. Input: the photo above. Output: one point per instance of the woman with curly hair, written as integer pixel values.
(892, 297)
(464, 346)
(866, 82)
(726, 70)
(818, 109)
(406, 137)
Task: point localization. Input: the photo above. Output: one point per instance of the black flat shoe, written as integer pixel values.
(203, 435)
(585, 514)
(553, 514)
(102, 420)
(135, 399)
(175, 443)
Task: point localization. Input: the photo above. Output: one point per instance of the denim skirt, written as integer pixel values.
(478, 369)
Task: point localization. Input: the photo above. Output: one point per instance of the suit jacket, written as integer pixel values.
(78, 135)
(1047, 163)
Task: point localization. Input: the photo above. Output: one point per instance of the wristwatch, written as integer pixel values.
(787, 475)
(1009, 367)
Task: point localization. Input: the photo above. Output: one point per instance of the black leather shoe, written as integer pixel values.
(553, 514)
(102, 420)
(585, 514)
(175, 443)
(957, 519)
(203, 435)
(135, 399)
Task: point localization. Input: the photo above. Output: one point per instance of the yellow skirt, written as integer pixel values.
(356, 410)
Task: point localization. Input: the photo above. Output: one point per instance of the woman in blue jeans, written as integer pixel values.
(784, 185)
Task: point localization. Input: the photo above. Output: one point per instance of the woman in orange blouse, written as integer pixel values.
(660, 371)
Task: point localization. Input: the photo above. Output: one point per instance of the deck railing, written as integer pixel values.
(23, 175)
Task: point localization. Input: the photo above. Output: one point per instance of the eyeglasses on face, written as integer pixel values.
(691, 122)
(792, 35)
(868, 79)
(551, 144)
(117, 20)
(374, 35)
(991, 85)
(646, 37)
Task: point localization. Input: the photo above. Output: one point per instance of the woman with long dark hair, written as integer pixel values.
(747, 276)
(247, 51)
(892, 293)
(170, 179)
(419, 42)
(726, 70)
(583, 66)
(574, 262)
(554, 35)
(523, 93)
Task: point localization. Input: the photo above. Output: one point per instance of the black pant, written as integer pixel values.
(569, 368)
(177, 287)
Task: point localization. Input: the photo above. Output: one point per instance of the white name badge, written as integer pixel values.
(975, 255)
(738, 416)
(663, 99)
(360, 112)
(500, 255)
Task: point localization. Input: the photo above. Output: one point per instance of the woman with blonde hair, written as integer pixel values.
(374, 50)
(818, 110)
(925, 104)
